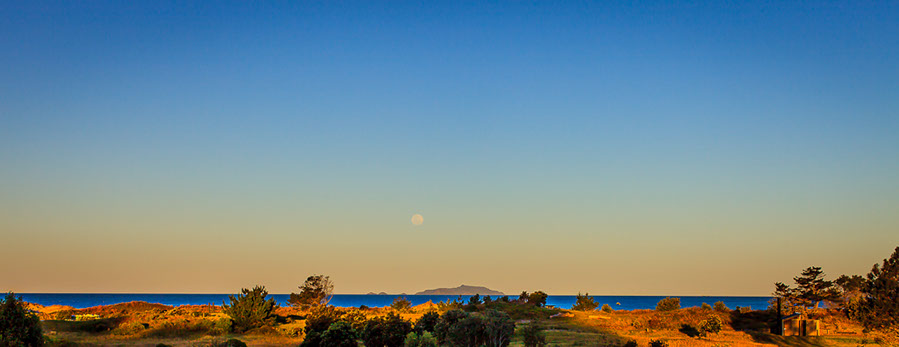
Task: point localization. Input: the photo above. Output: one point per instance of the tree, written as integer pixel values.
(390, 331)
(498, 328)
(879, 307)
(251, 309)
(474, 299)
(401, 304)
(812, 288)
(320, 319)
(427, 322)
(850, 288)
(18, 327)
(316, 291)
(584, 303)
(523, 297)
(537, 298)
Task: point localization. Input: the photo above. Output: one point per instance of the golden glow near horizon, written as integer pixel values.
(417, 219)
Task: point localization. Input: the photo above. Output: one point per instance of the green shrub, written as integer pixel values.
(250, 309)
(424, 339)
(606, 308)
(584, 303)
(705, 306)
(319, 320)
(340, 334)
(129, 328)
(427, 322)
(658, 343)
(18, 327)
(711, 325)
(533, 336)
(356, 319)
(401, 304)
(449, 305)
(720, 307)
(631, 343)
(537, 298)
(668, 304)
(222, 326)
(390, 330)
(474, 299)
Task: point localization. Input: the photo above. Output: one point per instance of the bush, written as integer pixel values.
(424, 339)
(390, 330)
(710, 325)
(537, 298)
(339, 334)
(474, 299)
(668, 304)
(533, 336)
(250, 309)
(319, 320)
(498, 328)
(606, 308)
(445, 324)
(631, 343)
(427, 322)
(705, 306)
(449, 305)
(18, 327)
(720, 307)
(401, 304)
(222, 326)
(584, 303)
(658, 343)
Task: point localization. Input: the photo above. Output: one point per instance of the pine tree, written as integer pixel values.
(812, 288)
(880, 308)
(251, 309)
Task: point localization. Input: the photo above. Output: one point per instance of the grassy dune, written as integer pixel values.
(141, 324)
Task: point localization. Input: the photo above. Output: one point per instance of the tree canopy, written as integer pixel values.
(316, 291)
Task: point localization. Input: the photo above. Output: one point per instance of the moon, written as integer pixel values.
(417, 219)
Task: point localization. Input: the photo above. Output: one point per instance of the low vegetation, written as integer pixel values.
(250, 309)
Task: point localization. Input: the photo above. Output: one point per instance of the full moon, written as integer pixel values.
(417, 219)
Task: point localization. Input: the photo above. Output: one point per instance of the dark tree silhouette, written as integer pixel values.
(316, 291)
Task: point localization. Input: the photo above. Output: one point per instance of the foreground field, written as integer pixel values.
(144, 324)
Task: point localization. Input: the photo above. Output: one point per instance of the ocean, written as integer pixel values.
(84, 300)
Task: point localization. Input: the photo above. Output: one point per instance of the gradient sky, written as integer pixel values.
(663, 148)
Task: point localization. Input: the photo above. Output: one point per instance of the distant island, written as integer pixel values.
(461, 290)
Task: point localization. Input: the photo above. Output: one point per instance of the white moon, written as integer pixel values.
(417, 219)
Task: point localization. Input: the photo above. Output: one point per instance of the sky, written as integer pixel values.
(656, 148)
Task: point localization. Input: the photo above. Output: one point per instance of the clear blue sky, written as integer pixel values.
(655, 148)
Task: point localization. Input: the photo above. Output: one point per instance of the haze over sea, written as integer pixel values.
(627, 302)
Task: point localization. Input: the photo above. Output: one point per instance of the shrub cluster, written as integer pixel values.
(401, 304)
(533, 336)
(711, 325)
(584, 303)
(250, 309)
(390, 330)
(459, 328)
(668, 304)
(420, 339)
(720, 307)
(606, 308)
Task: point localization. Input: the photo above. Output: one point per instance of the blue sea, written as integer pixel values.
(353, 300)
